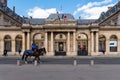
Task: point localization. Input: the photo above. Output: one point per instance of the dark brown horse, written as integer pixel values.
(35, 53)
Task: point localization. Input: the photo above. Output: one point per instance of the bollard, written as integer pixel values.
(91, 62)
(35, 63)
(18, 63)
(75, 62)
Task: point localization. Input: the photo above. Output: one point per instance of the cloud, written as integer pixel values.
(92, 10)
(37, 12)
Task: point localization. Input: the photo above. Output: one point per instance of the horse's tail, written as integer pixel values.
(23, 56)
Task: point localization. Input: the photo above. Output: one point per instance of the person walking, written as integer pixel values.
(19, 51)
(5, 52)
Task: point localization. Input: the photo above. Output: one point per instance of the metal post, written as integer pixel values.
(75, 62)
(91, 62)
(35, 63)
(18, 63)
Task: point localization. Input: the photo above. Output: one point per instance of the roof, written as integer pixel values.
(35, 21)
(60, 16)
(85, 21)
(11, 13)
(109, 12)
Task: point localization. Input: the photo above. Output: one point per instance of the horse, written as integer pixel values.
(36, 53)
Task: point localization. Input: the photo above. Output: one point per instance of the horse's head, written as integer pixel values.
(42, 51)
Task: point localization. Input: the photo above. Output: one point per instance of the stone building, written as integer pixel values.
(60, 33)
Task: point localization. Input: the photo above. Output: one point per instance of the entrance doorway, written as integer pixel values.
(82, 44)
(60, 49)
(61, 46)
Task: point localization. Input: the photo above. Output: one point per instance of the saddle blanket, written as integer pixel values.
(27, 52)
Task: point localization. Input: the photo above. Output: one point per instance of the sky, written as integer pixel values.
(84, 9)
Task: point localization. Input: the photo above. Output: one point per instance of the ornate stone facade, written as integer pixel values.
(60, 36)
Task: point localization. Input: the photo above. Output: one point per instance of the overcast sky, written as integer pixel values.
(87, 9)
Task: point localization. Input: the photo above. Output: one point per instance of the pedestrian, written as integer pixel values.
(103, 51)
(19, 51)
(5, 52)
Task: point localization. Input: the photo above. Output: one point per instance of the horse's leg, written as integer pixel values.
(23, 56)
(34, 58)
(26, 59)
(38, 59)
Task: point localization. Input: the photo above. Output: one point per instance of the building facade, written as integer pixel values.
(61, 34)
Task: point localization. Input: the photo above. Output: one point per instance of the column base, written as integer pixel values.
(71, 53)
(95, 53)
(49, 53)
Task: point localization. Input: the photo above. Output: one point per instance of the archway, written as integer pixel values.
(18, 42)
(38, 39)
(102, 43)
(60, 44)
(113, 43)
(7, 43)
(82, 44)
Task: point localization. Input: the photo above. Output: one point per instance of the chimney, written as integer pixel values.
(109, 7)
(14, 9)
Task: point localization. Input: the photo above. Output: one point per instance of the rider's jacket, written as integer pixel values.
(34, 47)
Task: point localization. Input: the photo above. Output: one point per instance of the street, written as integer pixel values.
(65, 60)
(61, 68)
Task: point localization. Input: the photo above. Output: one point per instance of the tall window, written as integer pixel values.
(7, 43)
(102, 43)
(18, 42)
(113, 43)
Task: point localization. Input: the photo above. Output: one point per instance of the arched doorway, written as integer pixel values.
(18, 42)
(38, 39)
(7, 43)
(82, 44)
(102, 43)
(113, 43)
(60, 44)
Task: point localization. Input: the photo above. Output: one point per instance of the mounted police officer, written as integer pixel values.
(34, 47)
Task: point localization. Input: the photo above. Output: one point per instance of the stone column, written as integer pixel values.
(46, 41)
(23, 41)
(97, 42)
(74, 42)
(2, 46)
(68, 42)
(13, 45)
(118, 47)
(107, 46)
(52, 41)
(92, 42)
(28, 40)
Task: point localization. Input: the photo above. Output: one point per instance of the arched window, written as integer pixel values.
(102, 43)
(113, 43)
(18, 42)
(38, 39)
(7, 43)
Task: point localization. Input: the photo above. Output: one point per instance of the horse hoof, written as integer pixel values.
(26, 62)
